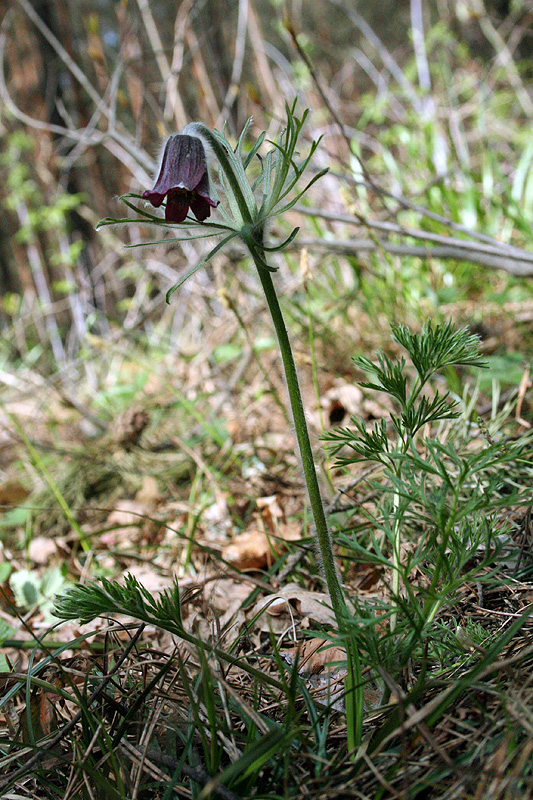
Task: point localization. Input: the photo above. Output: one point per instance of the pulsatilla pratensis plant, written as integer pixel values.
(244, 211)
(248, 206)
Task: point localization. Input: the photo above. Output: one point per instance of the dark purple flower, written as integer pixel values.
(183, 180)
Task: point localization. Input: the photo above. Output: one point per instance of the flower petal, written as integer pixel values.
(203, 190)
(201, 206)
(183, 179)
(183, 165)
(153, 197)
(177, 206)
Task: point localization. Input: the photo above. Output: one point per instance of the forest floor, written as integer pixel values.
(196, 479)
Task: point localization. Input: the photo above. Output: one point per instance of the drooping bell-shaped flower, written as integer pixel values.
(183, 180)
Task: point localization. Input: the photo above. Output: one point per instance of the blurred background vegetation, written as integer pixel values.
(433, 97)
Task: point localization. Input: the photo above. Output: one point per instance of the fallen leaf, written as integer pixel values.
(148, 494)
(124, 521)
(290, 531)
(250, 550)
(365, 577)
(322, 665)
(263, 541)
(151, 579)
(128, 522)
(271, 511)
(42, 715)
(340, 401)
(41, 549)
(310, 608)
(224, 598)
(372, 409)
(128, 427)
(12, 493)
(318, 664)
(314, 655)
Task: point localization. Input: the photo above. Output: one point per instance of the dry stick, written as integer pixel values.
(417, 715)
(489, 252)
(251, 344)
(180, 26)
(37, 269)
(388, 61)
(60, 50)
(121, 136)
(173, 102)
(75, 719)
(368, 180)
(489, 246)
(404, 203)
(515, 265)
(504, 57)
(202, 74)
(381, 84)
(134, 158)
(238, 61)
(391, 64)
(109, 99)
(308, 63)
(20, 115)
(411, 206)
(419, 46)
(429, 111)
(263, 70)
(510, 264)
(197, 773)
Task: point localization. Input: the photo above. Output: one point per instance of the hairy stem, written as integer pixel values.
(322, 531)
(353, 681)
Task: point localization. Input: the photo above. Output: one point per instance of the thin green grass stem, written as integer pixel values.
(273, 391)
(312, 350)
(396, 560)
(194, 519)
(432, 605)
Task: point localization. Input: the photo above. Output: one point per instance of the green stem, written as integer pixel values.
(395, 558)
(321, 526)
(431, 606)
(353, 681)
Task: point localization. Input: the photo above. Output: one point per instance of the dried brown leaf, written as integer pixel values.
(41, 550)
(263, 541)
(250, 550)
(310, 608)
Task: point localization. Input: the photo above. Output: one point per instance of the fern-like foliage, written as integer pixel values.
(427, 410)
(389, 373)
(438, 346)
(373, 444)
(94, 599)
(435, 523)
(434, 347)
